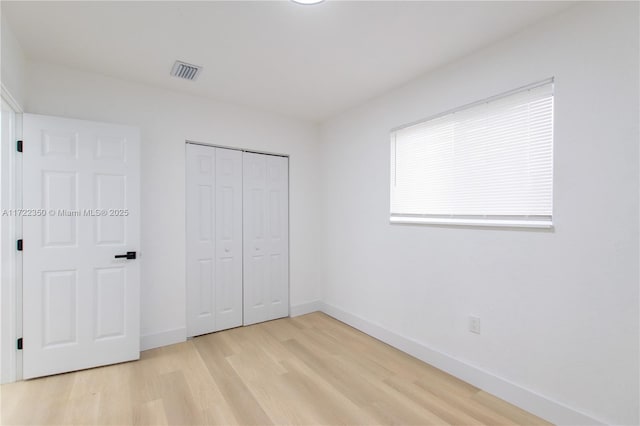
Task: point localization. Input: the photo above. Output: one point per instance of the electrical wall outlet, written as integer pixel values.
(474, 324)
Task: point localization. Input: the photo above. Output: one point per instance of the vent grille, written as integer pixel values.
(186, 71)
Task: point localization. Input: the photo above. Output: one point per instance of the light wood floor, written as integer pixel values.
(305, 370)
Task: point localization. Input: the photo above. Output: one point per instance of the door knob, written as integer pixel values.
(129, 255)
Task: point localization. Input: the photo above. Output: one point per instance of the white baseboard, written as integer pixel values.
(537, 404)
(305, 308)
(164, 338)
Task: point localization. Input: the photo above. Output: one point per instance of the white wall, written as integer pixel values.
(12, 63)
(559, 309)
(166, 120)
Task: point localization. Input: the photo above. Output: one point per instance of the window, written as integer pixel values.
(489, 163)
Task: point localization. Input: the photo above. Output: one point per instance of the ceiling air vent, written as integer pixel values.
(186, 71)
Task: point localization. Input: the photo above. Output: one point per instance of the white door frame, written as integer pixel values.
(11, 263)
(188, 141)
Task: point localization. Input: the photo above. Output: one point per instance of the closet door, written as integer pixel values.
(228, 268)
(214, 239)
(200, 212)
(266, 237)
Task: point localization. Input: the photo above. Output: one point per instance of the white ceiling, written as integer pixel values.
(304, 61)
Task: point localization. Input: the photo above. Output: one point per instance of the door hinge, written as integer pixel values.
(19, 245)
(19, 344)
(19, 146)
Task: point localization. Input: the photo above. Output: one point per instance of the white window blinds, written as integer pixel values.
(490, 163)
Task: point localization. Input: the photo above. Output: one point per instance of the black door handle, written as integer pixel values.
(129, 255)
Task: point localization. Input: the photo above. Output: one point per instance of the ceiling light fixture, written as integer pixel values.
(307, 2)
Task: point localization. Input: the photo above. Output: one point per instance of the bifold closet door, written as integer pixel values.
(266, 237)
(214, 239)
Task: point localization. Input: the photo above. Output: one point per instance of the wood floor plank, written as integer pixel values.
(331, 406)
(237, 396)
(83, 409)
(464, 402)
(362, 390)
(149, 413)
(431, 402)
(307, 370)
(517, 415)
(15, 399)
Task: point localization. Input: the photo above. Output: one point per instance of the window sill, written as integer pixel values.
(508, 223)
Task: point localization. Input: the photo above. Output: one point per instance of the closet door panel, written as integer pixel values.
(200, 262)
(254, 225)
(277, 212)
(266, 239)
(228, 281)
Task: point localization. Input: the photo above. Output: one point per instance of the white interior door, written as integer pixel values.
(266, 237)
(214, 239)
(81, 303)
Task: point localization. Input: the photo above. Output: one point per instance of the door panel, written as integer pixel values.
(214, 239)
(200, 239)
(110, 302)
(59, 191)
(266, 237)
(59, 319)
(228, 238)
(81, 305)
(111, 193)
(278, 187)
